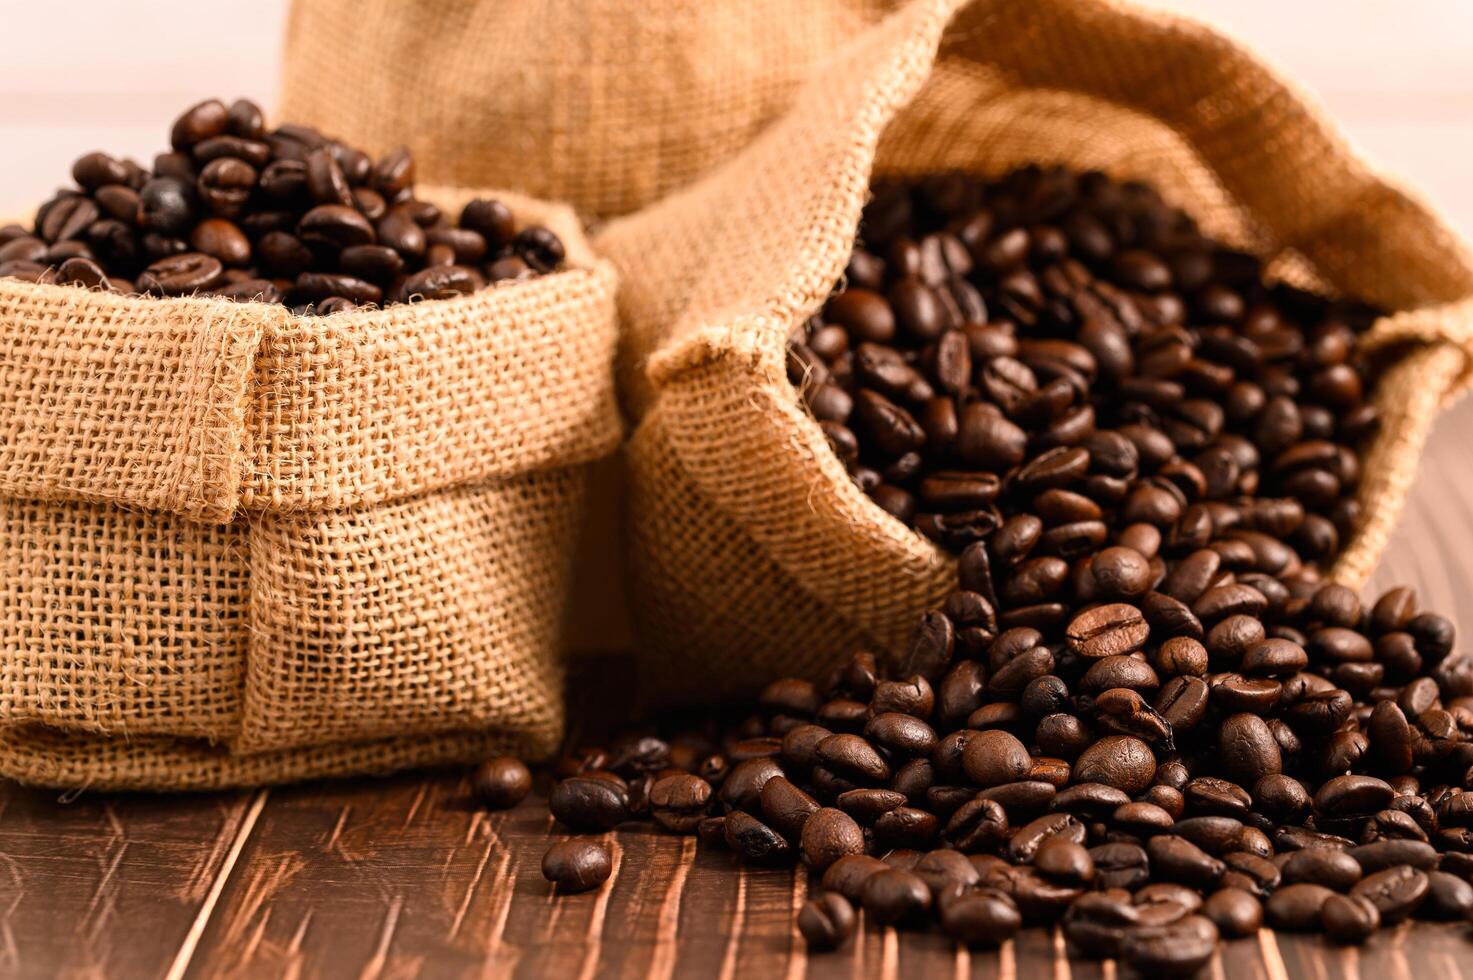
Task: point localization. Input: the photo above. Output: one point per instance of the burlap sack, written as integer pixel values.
(606, 104)
(753, 553)
(238, 546)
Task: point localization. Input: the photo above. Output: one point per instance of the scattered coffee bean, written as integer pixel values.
(893, 896)
(827, 921)
(1234, 911)
(577, 865)
(501, 783)
(1349, 918)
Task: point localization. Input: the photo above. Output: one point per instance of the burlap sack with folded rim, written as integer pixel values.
(238, 546)
(753, 554)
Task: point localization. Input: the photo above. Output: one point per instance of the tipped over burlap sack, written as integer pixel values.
(606, 104)
(240, 546)
(753, 553)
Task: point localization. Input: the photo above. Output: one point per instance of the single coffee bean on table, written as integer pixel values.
(577, 865)
(501, 783)
(284, 216)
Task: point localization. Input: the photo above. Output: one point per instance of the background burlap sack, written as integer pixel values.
(241, 546)
(752, 552)
(606, 104)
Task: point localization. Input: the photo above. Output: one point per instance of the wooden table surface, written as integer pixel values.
(403, 877)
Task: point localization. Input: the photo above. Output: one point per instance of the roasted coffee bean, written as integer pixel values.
(1026, 840)
(577, 865)
(826, 922)
(224, 186)
(977, 825)
(393, 173)
(995, 757)
(491, 219)
(907, 826)
(946, 871)
(901, 735)
(1449, 898)
(164, 206)
(1352, 796)
(82, 272)
(754, 841)
(854, 758)
(1177, 948)
(1120, 865)
(1064, 861)
(1349, 918)
(828, 835)
(911, 696)
(66, 218)
(1107, 630)
(1089, 800)
(586, 803)
(1282, 798)
(180, 275)
(985, 918)
(786, 807)
(1396, 892)
(848, 874)
(199, 123)
(894, 896)
(1214, 834)
(1235, 912)
(742, 788)
(501, 783)
(1297, 907)
(678, 802)
(1246, 748)
(1178, 859)
(1326, 866)
(1380, 855)
(1122, 761)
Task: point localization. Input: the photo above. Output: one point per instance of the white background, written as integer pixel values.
(111, 74)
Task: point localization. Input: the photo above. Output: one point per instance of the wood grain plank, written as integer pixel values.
(107, 885)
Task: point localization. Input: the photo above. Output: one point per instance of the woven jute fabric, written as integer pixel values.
(241, 546)
(606, 104)
(753, 553)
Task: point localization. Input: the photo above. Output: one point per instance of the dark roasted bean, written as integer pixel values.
(1349, 918)
(1396, 892)
(678, 802)
(754, 841)
(1298, 907)
(894, 896)
(826, 922)
(577, 865)
(501, 783)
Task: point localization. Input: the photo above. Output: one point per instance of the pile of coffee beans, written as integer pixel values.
(1142, 714)
(1281, 757)
(283, 215)
(1054, 355)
